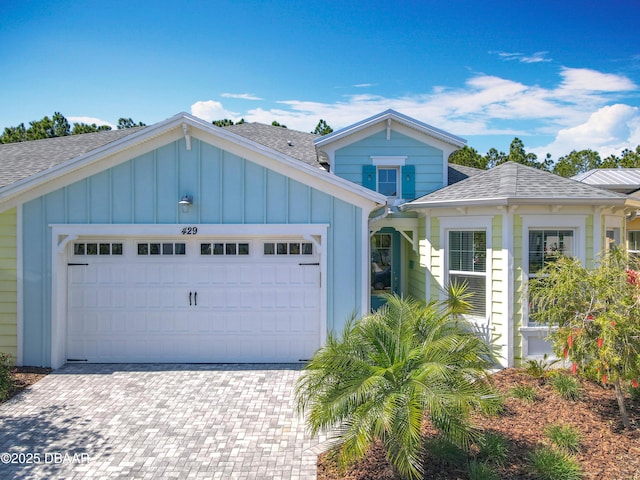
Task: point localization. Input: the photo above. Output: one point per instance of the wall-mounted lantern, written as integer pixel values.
(185, 202)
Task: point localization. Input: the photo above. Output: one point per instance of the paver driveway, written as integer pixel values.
(156, 422)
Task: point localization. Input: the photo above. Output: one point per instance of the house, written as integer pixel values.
(185, 242)
(623, 180)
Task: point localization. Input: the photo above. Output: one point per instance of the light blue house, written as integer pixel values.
(185, 242)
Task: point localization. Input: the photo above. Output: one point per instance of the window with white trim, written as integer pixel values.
(468, 264)
(633, 239)
(158, 248)
(226, 248)
(288, 248)
(388, 184)
(97, 248)
(546, 246)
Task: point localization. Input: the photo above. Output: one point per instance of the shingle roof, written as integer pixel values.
(513, 183)
(457, 173)
(296, 144)
(24, 159)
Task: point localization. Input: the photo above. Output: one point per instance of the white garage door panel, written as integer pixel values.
(249, 308)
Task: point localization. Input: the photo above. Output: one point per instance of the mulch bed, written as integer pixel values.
(607, 450)
(24, 377)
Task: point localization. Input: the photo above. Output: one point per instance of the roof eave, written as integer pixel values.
(506, 201)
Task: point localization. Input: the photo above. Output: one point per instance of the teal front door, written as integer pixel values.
(385, 266)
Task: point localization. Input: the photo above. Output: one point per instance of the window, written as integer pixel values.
(381, 263)
(161, 249)
(97, 248)
(633, 236)
(287, 248)
(391, 176)
(546, 246)
(388, 181)
(612, 235)
(468, 264)
(231, 248)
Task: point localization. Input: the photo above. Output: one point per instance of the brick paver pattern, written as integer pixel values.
(158, 422)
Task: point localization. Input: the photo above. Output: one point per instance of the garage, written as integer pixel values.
(192, 299)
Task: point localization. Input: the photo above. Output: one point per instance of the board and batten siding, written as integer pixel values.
(226, 189)
(428, 160)
(8, 284)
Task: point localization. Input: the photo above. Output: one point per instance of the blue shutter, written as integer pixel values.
(369, 177)
(409, 182)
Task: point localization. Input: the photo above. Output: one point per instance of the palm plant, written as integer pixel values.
(391, 371)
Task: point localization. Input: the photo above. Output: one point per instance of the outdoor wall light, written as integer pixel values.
(186, 202)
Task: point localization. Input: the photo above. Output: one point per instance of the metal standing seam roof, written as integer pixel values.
(623, 178)
(515, 183)
(23, 159)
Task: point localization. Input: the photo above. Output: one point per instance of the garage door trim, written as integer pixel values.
(64, 235)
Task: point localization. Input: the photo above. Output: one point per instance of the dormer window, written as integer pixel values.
(390, 176)
(388, 182)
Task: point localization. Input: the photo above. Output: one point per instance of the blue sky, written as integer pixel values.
(560, 75)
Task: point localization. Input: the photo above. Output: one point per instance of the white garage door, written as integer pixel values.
(205, 300)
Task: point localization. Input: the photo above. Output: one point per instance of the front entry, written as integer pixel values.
(385, 266)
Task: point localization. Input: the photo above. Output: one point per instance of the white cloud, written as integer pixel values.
(241, 96)
(584, 110)
(364, 85)
(210, 110)
(90, 120)
(609, 130)
(537, 57)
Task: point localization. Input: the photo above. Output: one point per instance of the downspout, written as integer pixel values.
(385, 214)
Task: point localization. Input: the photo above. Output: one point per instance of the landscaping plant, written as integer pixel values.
(493, 448)
(567, 387)
(596, 315)
(6, 382)
(540, 368)
(550, 464)
(564, 437)
(482, 471)
(388, 373)
(526, 393)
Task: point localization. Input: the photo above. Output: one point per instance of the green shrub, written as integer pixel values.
(6, 382)
(481, 471)
(550, 464)
(540, 368)
(567, 387)
(526, 393)
(493, 448)
(564, 437)
(444, 451)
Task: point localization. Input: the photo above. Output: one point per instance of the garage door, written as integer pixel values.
(205, 300)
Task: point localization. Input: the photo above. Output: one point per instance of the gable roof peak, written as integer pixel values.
(392, 115)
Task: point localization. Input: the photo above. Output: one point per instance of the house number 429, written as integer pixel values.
(190, 231)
